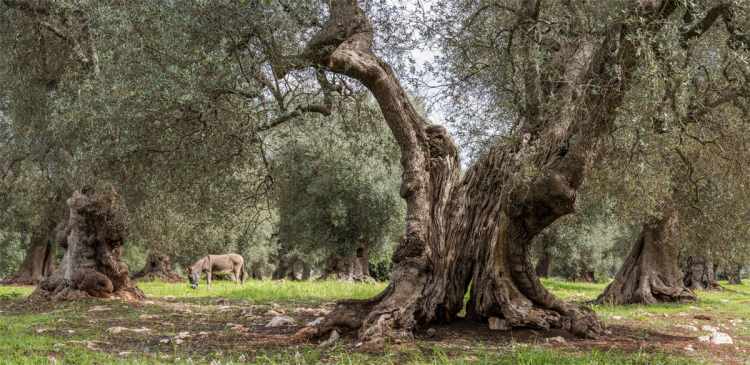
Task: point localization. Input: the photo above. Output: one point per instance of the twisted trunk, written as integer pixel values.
(93, 237)
(479, 229)
(349, 268)
(651, 272)
(734, 274)
(38, 262)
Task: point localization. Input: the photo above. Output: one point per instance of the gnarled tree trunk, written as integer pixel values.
(93, 238)
(158, 267)
(734, 274)
(700, 274)
(651, 272)
(478, 230)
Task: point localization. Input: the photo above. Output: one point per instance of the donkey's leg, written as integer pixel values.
(208, 278)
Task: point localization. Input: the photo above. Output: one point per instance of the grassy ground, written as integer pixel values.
(226, 325)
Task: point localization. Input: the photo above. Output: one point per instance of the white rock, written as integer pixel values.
(178, 341)
(183, 334)
(164, 340)
(115, 330)
(272, 312)
(687, 327)
(617, 318)
(100, 308)
(689, 348)
(557, 339)
(279, 321)
(331, 340)
(708, 328)
(704, 338)
(497, 324)
(316, 322)
(721, 338)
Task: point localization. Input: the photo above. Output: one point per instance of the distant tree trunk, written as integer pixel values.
(257, 269)
(349, 268)
(651, 272)
(734, 274)
(700, 274)
(93, 238)
(39, 261)
(158, 267)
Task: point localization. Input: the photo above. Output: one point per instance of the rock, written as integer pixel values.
(704, 338)
(272, 312)
(431, 332)
(279, 321)
(689, 348)
(124, 353)
(617, 318)
(148, 316)
(708, 328)
(702, 317)
(183, 334)
(178, 341)
(115, 330)
(687, 327)
(221, 301)
(164, 340)
(331, 339)
(557, 339)
(169, 297)
(315, 322)
(100, 308)
(682, 314)
(497, 324)
(721, 338)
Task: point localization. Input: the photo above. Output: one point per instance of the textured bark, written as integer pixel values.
(700, 274)
(478, 230)
(93, 237)
(258, 270)
(651, 272)
(158, 267)
(543, 265)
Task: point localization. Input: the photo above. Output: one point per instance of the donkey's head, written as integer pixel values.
(194, 277)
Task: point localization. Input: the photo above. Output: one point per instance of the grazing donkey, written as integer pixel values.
(231, 263)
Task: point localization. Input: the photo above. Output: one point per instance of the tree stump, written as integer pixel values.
(93, 239)
(158, 267)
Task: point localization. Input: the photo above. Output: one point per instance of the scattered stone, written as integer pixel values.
(183, 334)
(702, 317)
(617, 318)
(682, 314)
(556, 339)
(331, 339)
(100, 308)
(221, 301)
(497, 324)
(279, 321)
(721, 338)
(272, 312)
(431, 332)
(115, 330)
(689, 348)
(169, 297)
(687, 327)
(202, 333)
(41, 330)
(148, 316)
(164, 340)
(724, 300)
(178, 341)
(124, 353)
(71, 331)
(240, 328)
(708, 328)
(704, 338)
(315, 322)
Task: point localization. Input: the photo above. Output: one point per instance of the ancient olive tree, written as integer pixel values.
(476, 229)
(93, 238)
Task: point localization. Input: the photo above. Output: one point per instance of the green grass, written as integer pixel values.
(20, 343)
(267, 291)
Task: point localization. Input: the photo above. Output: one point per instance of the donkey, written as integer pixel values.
(231, 263)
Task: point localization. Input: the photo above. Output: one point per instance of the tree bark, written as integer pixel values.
(700, 274)
(37, 264)
(651, 272)
(93, 238)
(348, 268)
(478, 230)
(158, 267)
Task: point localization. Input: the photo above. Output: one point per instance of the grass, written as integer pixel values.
(266, 291)
(64, 332)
